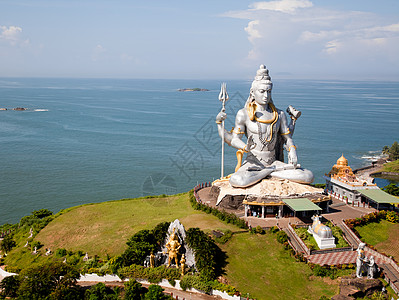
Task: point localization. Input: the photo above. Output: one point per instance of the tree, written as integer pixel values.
(7, 243)
(140, 245)
(39, 281)
(392, 189)
(155, 292)
(42, 213)
(133, 290)
(100, 292)
(394, 151)
(9, 286)
(385, 150)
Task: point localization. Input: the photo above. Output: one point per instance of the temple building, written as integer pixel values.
(344, 185)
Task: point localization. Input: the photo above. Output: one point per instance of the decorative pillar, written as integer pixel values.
(263, 211)
(280, 211)
(246, 210)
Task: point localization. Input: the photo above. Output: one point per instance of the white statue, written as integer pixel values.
(322, 234)
(35, 250)
(26, 245)
(266, 129)
(31, 233)
(360, 260)
(372, 268)
(48, 252)
(86, 257)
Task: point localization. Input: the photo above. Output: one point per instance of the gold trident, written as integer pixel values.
(223, 96)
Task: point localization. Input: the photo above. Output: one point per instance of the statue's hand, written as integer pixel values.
(292, 157)
(221, 117)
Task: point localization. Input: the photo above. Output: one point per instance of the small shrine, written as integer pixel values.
(344, 185)
(322, 234)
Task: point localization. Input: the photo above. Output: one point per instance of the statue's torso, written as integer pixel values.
(265, 137)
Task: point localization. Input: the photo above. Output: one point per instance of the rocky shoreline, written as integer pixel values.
(375, 170)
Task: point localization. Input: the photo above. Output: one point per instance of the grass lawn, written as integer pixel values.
(392, 166)
(383, 236)
(105, 227)
(260, 266)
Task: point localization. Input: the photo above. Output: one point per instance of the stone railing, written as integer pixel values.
(298, 240)
(332, 250)
(350, 233)
(199, 187)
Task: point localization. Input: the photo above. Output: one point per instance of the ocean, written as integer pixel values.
(92, 140)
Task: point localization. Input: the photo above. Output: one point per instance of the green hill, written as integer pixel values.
(257, 263)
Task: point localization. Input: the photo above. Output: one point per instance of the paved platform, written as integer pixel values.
(337, 258)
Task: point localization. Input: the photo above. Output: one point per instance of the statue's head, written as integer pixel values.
(261, 88)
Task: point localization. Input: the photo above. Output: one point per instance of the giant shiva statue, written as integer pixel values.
(266, 130)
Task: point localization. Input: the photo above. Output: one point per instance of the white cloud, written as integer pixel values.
(297, 34)
(286, 6)
(12, 35)
(253, 33)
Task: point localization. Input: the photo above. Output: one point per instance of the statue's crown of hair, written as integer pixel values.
(262, 74)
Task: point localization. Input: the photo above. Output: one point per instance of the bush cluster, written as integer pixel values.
(153, 275)
(257, 230)
(329, 271)
(140, 245)
(390, 216)
(221, 214)
(209, 258)
(225, 237)
(282, 237)
(195, 281)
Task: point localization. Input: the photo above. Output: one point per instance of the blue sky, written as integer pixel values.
(224, 39)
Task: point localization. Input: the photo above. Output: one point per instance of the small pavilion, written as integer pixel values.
(287, 207)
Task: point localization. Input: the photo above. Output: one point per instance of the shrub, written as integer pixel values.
(392, 217)
(195, 281)
(274, 229)
(99, 292)
(282, 237)
(133, 290)
(222, 215)
(153, 275)
(225, 237)
(42, 213)
(7, 243)
(60, 252)
(36, 244)
(259, 230)
(155, 292)
(230, 290)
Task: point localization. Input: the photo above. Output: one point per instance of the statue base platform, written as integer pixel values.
(272, 194)
(267, 189)
(325, 243)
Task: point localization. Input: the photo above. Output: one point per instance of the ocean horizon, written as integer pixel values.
(92, 140)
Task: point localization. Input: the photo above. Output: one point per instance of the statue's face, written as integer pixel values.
(262, 93)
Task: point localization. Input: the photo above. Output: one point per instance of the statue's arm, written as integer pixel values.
(227, 135)
(239, 130)
(287, 136)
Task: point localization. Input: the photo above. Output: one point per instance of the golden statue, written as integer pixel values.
(152, 260)
(182, 265)
(173, 247)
